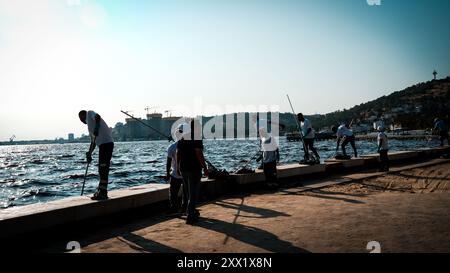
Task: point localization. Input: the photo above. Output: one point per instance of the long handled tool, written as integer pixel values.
(254, 157)
(146, 125)
(85, 173)
(84, 180)
(351, 123)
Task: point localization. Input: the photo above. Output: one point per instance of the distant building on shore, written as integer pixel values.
(135, 130)
(71, 137)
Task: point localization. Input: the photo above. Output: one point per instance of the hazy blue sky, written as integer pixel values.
(57, 57)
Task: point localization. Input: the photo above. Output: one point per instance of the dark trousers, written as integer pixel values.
(444, 136)
(175, 201)
(104, 163)
(309, 143)
(192, 179)
(347, 140)
(270, 172)
(384, 160)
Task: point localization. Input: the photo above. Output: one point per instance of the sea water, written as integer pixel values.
(41, 173)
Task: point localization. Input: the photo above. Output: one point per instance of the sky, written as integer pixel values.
(207, 57)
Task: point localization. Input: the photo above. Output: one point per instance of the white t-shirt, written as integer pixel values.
(305, 126)
(269, 148)
(344, 131)
(104, 132)
(383, 137)
(172, 154)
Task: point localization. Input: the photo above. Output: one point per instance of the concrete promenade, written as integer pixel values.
(405, 210)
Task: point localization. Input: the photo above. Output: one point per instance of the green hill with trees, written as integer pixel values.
(414, 107)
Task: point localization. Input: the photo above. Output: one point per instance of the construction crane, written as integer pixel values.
(148, 108)
(11, 139)
(168, 113)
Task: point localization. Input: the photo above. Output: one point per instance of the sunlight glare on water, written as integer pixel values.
(40, 173)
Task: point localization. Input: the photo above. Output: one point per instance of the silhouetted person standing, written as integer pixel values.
(101, 136)
(383, 148)
(191, 163)
(308, 137)
(442, 130)
(173, 175)
(270, 156)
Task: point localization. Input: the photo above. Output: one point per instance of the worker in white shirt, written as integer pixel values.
(308, 137)
(345, 134)
(101, 136)
(172, 175)
(270, 155)
(440, 128)
(383, 148)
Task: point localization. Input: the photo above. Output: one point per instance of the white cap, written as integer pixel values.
(182, 130)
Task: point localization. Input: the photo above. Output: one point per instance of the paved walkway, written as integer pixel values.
(324, 217)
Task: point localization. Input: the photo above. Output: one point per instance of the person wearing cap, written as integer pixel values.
(383, 148)
(270, 154)
(173, 176)
(441, 129)
(345, 134)
(101, 136)
(308, 137)
(191, 161)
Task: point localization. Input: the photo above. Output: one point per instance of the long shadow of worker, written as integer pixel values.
(445, 178)
(250, 235)
(125, 231)
(382, 188)
(324, 195)
(264, 213)
(142, 244)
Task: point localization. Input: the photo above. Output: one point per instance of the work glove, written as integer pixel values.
(88, 157)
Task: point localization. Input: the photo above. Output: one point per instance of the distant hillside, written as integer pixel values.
(414, 107)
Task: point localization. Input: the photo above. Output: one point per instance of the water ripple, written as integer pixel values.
(39, 173)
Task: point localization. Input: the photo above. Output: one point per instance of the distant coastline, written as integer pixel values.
(39, 142)
(413, 135)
